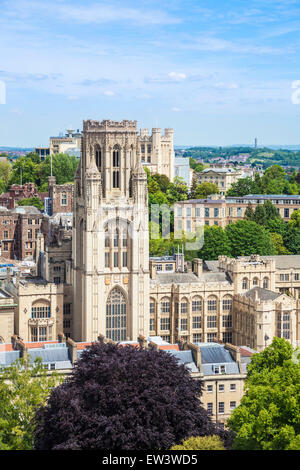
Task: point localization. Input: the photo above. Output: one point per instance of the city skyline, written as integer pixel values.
(217, 73)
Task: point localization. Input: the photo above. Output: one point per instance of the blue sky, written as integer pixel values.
(219, 71)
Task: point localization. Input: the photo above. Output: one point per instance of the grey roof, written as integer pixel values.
(8, 357)
(211, 265)
(285, 261)
(184, 357)
(214, 353)
(176, 278)
(220, 276)
(263, 294)
(50, 355)
(26, 210)
(266, 196)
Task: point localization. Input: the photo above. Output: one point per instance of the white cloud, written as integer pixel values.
(175, 109)
(177, 76)
(94, 13)
(109, 93)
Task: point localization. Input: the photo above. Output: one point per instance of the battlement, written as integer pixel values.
(107, 125)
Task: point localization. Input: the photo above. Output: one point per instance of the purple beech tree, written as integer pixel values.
(122, 397)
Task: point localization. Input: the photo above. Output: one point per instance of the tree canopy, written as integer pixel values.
(268, 417)
(122, 397)
(24, 387)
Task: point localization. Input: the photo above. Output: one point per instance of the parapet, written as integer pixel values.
(108, 125)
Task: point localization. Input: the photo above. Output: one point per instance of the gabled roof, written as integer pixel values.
(262, 294)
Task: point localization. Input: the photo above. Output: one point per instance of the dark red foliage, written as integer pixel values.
(123, 398)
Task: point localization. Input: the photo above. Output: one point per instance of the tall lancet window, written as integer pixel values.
(116, 168)
(98, 157)
(116, 315)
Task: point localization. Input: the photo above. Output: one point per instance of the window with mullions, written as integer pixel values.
(211, 305)
(116, 316)
(197, 322)
(165, 307)
(41, 311)
(196, 305)
(212, 321)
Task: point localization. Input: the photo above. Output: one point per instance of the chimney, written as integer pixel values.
(152, 270)
(19, 345)
(142, 342)
(73, 350)
(235, 352)
(198, 267)
(61, 338)
(17, 278)
(196, 352)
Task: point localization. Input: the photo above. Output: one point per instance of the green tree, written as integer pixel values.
(201, 443)
(5, 174)
(64, 167)
(268, 417)
(215, 243)
(295, 219)
(24, 170)
(247, 237)
(292, 240)
(177, 191)
(260, 216)
(273, 180)
(24, 388)
(277, 241)
(205, 189)
(249, 213)
(244, 186)
(31, 201)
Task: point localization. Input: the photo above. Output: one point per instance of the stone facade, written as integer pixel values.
(157, 151)
(39, 308)
(7, 314)
(223, 177)
(220, 211)
(110, 235)
(214, 303)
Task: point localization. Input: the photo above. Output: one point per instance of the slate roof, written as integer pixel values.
(263, 294)
(176, 278)
(285, 261)
(214, 354)
(185, 358)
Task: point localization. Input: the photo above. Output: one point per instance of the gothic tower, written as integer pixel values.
(110, 235)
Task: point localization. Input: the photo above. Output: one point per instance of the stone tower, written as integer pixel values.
(110, 235)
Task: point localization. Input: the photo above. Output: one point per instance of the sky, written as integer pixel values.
(219, 72)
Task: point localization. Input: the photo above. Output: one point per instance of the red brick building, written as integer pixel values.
(61, 196)
(18, 232)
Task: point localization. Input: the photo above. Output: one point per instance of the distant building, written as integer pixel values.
(182, 169)
(157, 151)
(220, 211)
(43, 152)
(69, 143)
(222, 176)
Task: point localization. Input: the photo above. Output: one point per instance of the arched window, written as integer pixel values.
(245, 283)
(255, 281)
(266, 283)
(98, 157)
(116, 168)
(116, 158)
(116, 315)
